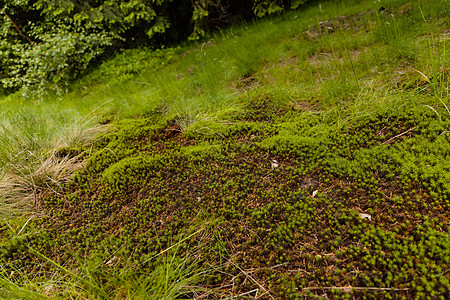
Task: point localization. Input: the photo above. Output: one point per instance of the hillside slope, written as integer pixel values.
(304, 156)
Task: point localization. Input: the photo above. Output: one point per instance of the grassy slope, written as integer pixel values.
(290, 158)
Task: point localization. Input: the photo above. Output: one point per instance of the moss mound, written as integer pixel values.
(304, 208)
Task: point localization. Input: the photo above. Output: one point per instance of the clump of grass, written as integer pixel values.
(21, 185)
(30, 162)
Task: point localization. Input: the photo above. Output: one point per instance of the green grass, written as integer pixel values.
(350, 99)
(109, 277)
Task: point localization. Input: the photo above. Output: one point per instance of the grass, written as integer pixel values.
(109, 277)
(351, 101)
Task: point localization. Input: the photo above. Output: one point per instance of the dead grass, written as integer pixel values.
(20, 187)
(43, 172)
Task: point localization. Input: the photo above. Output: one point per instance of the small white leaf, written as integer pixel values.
(365, 216)
(274, 164)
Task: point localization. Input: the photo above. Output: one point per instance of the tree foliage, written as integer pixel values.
(44, 44)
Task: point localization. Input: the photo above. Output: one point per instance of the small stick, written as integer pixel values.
(246, 293)
(348, 288)
(398, 135)
(279, 265)
(252, 279)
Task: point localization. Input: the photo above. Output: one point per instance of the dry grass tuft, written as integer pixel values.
(20, 187)
(24, 180)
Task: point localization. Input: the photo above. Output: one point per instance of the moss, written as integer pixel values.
(302, 147)
(103, 158)
(208, 130)
(203, 151)
(263, 106)
(131, 170)
(218, 131)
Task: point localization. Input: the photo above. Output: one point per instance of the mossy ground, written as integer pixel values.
(329, 176)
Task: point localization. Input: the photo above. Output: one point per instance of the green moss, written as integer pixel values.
(208, 130)
(203, 151)
(131, 170)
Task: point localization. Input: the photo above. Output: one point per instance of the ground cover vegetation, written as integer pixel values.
(303, 156)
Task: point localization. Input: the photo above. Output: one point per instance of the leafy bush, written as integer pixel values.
(263, 7)
(56, 61)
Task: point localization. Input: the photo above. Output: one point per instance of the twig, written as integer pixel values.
(270, 268)
(279, 265)
(18, 30)
(246, 293)
(252, 279)
(398, 135)
(350, 288)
